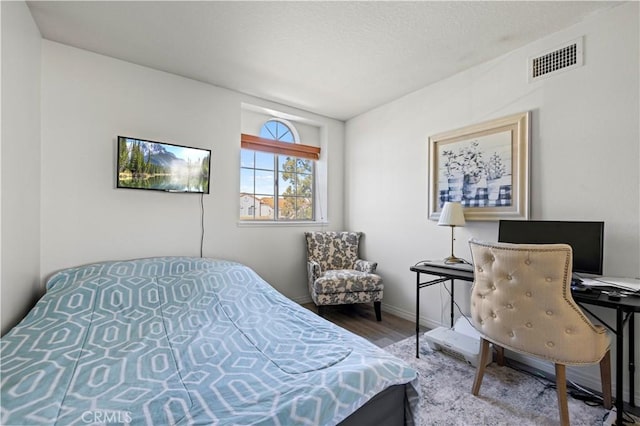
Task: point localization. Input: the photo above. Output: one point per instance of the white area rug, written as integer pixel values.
(507, 396)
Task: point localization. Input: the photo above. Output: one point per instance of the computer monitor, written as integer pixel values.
(585, 238)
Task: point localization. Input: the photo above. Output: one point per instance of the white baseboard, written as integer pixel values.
(579, 375)
(411, 316)
(574, 374)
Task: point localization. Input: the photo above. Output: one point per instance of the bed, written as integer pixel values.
(190, 341)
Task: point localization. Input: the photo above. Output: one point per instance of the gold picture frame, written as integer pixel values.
(485, 167)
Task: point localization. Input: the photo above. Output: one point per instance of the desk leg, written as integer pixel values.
(632, 359)
(417, 314)
(452, 303)
(619, 366)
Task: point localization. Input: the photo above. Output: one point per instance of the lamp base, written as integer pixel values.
(453, 259)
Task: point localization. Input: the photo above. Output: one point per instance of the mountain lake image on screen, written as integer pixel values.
(144, 164)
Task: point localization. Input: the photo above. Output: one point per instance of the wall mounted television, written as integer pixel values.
(585, 238)
(160, 166)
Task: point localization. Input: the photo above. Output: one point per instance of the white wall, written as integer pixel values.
(20, 163)
(89, 99)
(584, 157)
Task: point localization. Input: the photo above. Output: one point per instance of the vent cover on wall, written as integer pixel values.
(564, 58)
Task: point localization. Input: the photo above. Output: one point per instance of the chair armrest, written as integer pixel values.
(313, 270)
(365, 266)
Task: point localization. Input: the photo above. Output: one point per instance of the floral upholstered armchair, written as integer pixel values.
(336, 275)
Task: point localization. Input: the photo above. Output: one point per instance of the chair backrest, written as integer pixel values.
(333, 250)
(521, 300)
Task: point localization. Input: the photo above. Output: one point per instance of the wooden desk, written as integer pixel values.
(625, 309)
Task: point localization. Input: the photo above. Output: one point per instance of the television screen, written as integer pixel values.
(162, 166)
(585, 238)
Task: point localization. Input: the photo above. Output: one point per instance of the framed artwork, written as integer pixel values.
(485, 167)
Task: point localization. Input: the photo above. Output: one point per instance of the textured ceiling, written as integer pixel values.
(337, 59)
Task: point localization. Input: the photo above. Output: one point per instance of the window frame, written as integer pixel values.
(280, 149)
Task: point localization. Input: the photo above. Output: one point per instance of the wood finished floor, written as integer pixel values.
(361, 320)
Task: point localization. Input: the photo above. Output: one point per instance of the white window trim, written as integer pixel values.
(292, 223)
(321, 173)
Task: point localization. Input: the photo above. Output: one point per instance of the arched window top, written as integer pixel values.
(279, 137)
(279, 130)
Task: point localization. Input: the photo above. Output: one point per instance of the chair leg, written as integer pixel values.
(378, 308)
(320, 310)
(482, 362)
(605, 379)
(561, 389)
(500, 355)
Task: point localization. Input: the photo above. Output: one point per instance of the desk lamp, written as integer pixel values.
(452, 215)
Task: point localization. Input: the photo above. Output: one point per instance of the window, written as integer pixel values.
(277, 130)
(275, 166)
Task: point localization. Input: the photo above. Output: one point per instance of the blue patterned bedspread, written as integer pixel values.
(175, 340)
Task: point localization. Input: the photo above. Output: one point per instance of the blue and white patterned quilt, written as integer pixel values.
(184, 341)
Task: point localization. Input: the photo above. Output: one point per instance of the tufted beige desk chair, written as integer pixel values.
(521, 300)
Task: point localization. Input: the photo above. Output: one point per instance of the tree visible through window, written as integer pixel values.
(269, 176)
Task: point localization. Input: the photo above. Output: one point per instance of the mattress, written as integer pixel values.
(185, 341)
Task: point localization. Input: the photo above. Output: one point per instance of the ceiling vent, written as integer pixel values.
(564, 58)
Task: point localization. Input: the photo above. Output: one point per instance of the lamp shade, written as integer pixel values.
(451, 215)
